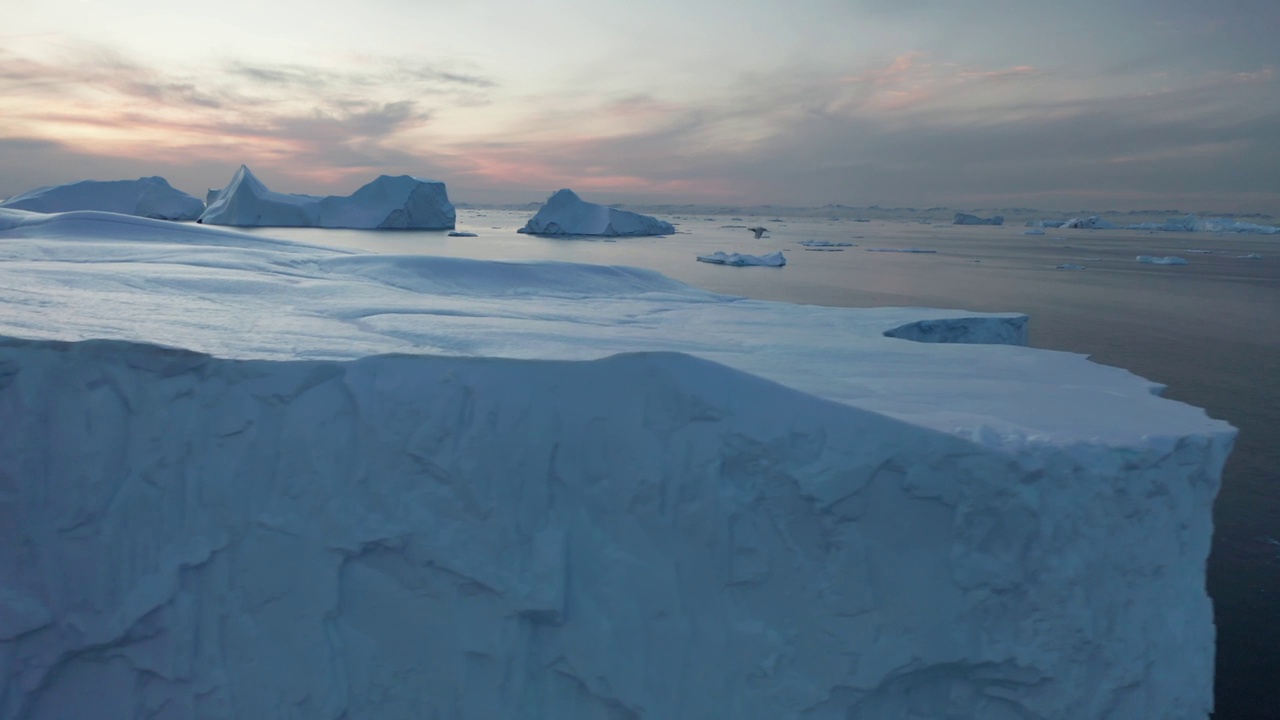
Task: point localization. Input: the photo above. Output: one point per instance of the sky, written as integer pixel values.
(1125, 104)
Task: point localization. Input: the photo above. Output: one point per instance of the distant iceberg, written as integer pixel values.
(399, 202)
(773, 259)
(1191, 223)
(967, 219)
(149, 197)
(565, 213)
(1168, 260)
(1093, 222)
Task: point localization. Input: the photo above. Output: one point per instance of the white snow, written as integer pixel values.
(433, 487)
(967, 219)
(565, 213)
(150, 197)
(401, 202)
(719, 257)
(1168, 260)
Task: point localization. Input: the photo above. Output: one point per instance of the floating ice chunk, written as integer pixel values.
(565, 213)
(1167, 260)
(967, 219)
(902, 250)
(149, 197)
(773, 259)
(387, 202)
(462, 234)
(1202, 252)
(1250, 256)
(1068, 266)
(825, 244)
(1034, 231)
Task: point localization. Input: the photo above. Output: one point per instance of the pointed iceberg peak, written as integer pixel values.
(401, 202)
(565, 213)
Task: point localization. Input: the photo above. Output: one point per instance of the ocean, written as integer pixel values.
(1209, 330)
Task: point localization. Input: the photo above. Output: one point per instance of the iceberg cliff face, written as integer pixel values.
(386, 203)
(149, 197)
(565, 213)
(599, 495)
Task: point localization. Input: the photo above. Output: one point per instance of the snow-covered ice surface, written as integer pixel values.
(719, 257)
(150, 197)
(564, 213)
(569, 491)
(389, 203)
(1161, 260)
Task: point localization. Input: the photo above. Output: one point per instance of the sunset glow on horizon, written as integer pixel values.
(860, 103)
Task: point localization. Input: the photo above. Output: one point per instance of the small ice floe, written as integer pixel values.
(773, 259)
(1068, 266)
(1167, 260)
(455, 233)
(1203, 252)
(825, 244)
(1033, 231)
(1250, 256)
(901, 250)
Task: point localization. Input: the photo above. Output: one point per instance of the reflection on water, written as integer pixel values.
(1210, 330)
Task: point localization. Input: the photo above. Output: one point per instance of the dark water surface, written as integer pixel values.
(1210, 330)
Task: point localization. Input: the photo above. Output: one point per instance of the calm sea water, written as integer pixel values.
(1210, 330)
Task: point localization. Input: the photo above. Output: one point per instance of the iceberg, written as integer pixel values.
(149, 197)
(967, 219)
(391, 203)
(1168, 260)
(565, 213)
(719, 257)
(254, 478)
(1191, 223)
(1093, 222)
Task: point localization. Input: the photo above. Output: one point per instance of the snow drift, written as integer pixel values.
(398, 203)
(600, 493)
(565, 213)
(149, 197)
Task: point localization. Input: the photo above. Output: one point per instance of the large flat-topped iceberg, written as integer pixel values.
(572, 491)
(149, 197)
(565, 213)
(393, 203)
